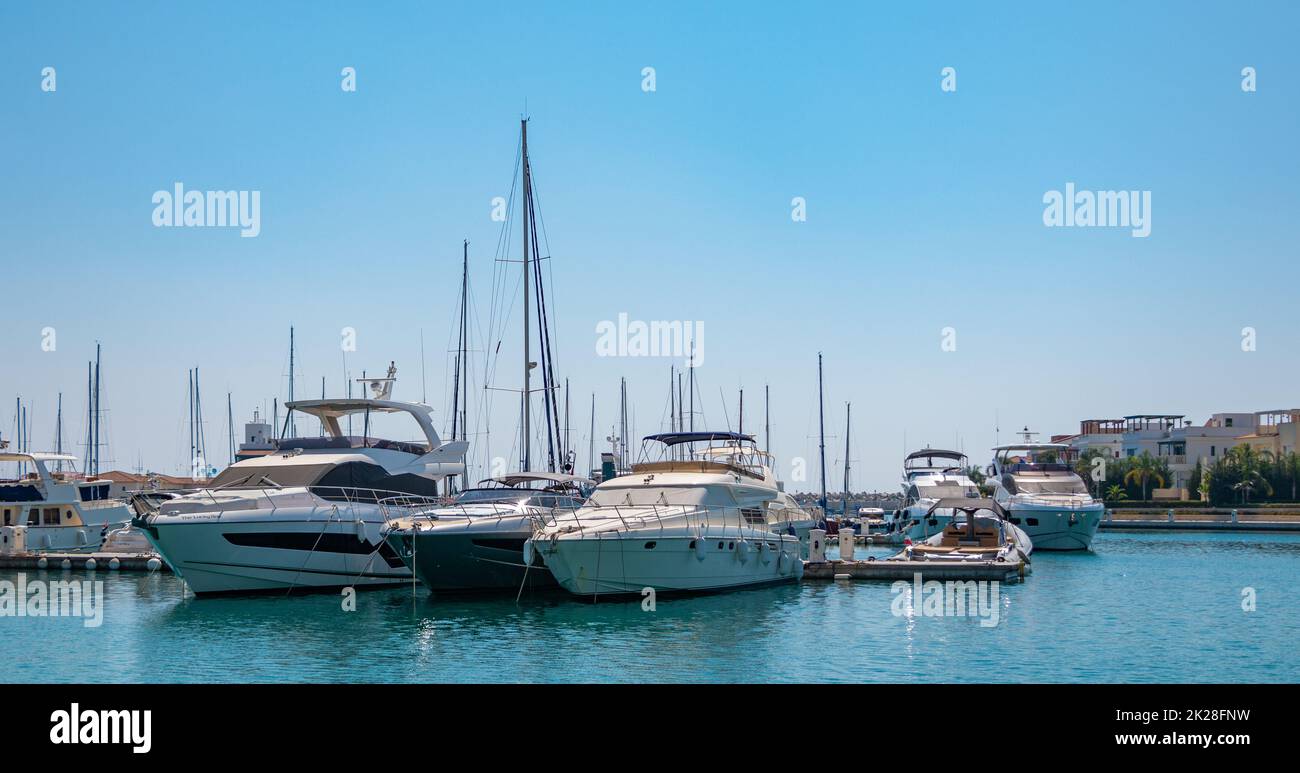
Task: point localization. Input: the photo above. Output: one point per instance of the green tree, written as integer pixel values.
(1116, 492)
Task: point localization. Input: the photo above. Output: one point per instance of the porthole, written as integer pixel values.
(731, 546)
(651, 545)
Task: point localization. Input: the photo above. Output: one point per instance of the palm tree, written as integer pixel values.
(1145, 467)
(1116, 492)
(1249, 464)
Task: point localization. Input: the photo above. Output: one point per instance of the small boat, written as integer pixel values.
(53, 510)
(978, 531)
(477, 542)
(929, 475)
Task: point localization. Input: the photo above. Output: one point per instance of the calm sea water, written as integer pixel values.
(1156, 607)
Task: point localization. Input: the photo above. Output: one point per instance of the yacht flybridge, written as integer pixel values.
(477, 542)
(1044, 496)
(698, 520)
(311, 513)
(50, 510)
(931, 475)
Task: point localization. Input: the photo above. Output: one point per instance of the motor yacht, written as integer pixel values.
(477, 542)
(311, 514)
(55, 510)
(929, 475)
(1045, 496)
(694, 521)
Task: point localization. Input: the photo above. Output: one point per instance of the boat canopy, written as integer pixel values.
(935, 453)
(329, 411)
(677, 438)
(969, 506)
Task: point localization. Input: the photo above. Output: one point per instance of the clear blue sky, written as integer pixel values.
(924, 208)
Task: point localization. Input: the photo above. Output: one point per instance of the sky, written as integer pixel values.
(945, 310)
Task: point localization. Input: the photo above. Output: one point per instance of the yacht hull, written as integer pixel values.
(460, 560)
(1058, 527)
(298, 549)
(624, 564)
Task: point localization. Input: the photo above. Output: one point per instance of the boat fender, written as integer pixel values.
(528, 552)
(153, 564)
(764, 552)
(81, 537)
(66, 564)
(699, 548)
(42, 562)
(113, 563)
(742, 551)
(798, 569)
(783, 563)
(90, 564)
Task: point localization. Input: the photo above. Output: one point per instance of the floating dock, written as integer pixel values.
(907, 570)
(103, 562)
(1202, 519)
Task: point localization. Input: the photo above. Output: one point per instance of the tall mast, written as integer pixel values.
(58, 432)
(821, 428)
(293, 429)
(464, 345)
(623, 423)
(591, 439)
(90, 414)
(848, 412)
(741, 428)
(767, 418)
(567, 451)
(230, 430)
(523, 172)
(95, 455)
(690, 388)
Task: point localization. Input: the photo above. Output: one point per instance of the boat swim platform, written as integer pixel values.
(883, 570)
(126, 562)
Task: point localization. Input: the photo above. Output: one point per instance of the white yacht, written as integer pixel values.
(929, 475)
(693, 522)
(477, 542)
(1045, 497)
(52, 510)
(311, 514)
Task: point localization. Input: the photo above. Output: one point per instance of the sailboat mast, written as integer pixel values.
(95, 456)
(848, 424)
(742, 412)
(523, 172)
(58, 432)
(821, 429)
(464, 344)
(591, 439)
(293, 429)
(230, 429)
(767, 418)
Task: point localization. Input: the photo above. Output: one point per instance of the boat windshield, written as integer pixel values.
(509, 496)
(1063, 485)
(267, 476)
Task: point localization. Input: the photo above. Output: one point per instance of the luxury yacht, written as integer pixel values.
(1044, 497)
(695, 521)
(55, 511)
(477, 543)
(311, 514)
(930, 475)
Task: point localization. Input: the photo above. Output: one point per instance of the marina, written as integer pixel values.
(1130, 611)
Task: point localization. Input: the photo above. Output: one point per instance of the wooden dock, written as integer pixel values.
(103, 562)
(1202, 519)
(906, 570)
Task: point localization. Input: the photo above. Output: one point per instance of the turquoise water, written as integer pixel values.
(1157, 607)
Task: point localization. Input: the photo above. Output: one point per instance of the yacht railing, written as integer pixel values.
(706, 521)
(1061, 500)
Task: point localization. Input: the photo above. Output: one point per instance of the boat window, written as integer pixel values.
(34, 516)
(270, 476)
(51, 516)
(8, 517)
